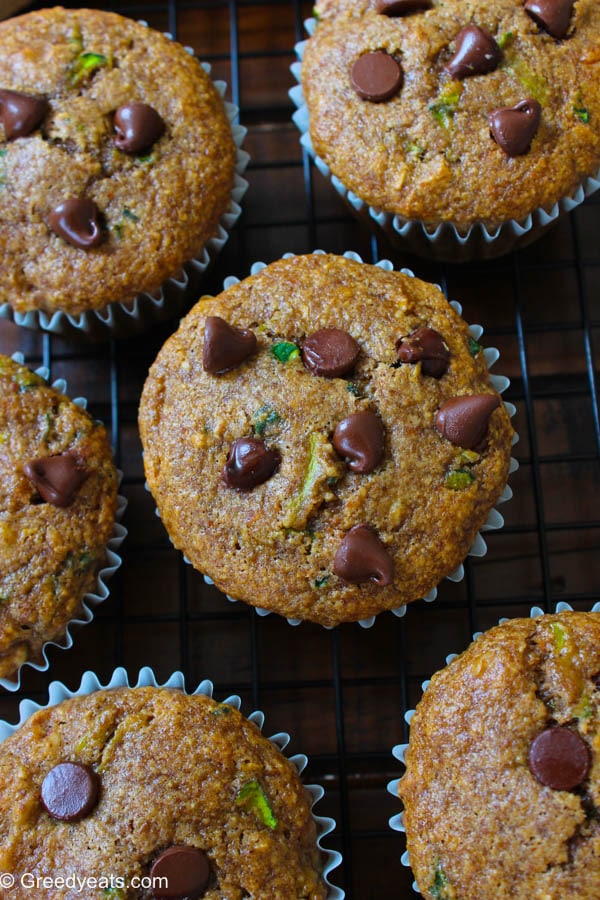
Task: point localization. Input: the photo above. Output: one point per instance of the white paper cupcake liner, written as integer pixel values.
(443, 242)
(396, 822)
(90, 683)
(147, 309)
(91, 599)
(494, 520)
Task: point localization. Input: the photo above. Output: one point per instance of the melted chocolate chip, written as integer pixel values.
(76, 221)
(476, 53)
(401, 7)
(513, 128)
(464, 420)
(330, 352)
(359, 438)
(186, 869)
(70, 791)
(554, 16)
(376, 76)
(362, 557)
(137, 126)
(57, 478)
(21, 113)
(559, 758)
(249, 462)
(427, 346)
(225, 346)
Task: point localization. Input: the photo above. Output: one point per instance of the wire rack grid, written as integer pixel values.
(342, 693)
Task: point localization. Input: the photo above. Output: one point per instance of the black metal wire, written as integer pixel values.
(190, 628)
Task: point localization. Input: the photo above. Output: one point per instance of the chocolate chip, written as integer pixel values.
(476, 53)
(359, 438)
(427, 346)
(250, 462)
(464, 420)
(186, 870)
(362, 556)
(76, 221)
(401, 7)
(554, 16)
(225, 346)
(514, 127)
(330, 352)
(376, 76)
(70, 791)
(57, 478)
(138, 126)
(559, 758)
(21, 113)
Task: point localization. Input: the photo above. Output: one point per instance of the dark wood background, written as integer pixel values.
(342, 693)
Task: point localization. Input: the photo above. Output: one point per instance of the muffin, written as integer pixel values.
(456, 115)
(123, 787)
(323, 440)
(58, 503)
(117, 161)
(501, 789)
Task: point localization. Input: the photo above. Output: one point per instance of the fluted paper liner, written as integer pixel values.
(91, 599)
(146, 309)
(396, 822)
(443, 241)
(494, 520)
(90, 683)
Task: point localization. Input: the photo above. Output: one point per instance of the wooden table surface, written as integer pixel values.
(342, 693)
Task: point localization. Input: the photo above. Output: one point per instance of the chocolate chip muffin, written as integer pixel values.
(502, 788)
(116, 160)
(456, 112)
(149, 792)
(58, 501)
(323, 440)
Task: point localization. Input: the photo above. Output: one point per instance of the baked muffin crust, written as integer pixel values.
(157, 207)
(275, 545)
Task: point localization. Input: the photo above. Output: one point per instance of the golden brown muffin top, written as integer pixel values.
(479, 822)
(157, 206)
(275, 544)
(49, 554)
(426, 153)
(170, 770)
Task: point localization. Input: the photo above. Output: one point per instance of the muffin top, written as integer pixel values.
(445, 136)
(144, 771)
(502, 787)
(116, 159)
(58, 499)
(281, 416)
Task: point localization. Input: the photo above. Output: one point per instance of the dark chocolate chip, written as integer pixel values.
(250, 462)
(464, 420)
(186, 870)
(57, 478)
(401, 7)
(359, 438)
(559, 758)
(21, 113)
(330, 352)
(362, 557)
(138, 126)
(427, 346)
(76, 221)
(514, 127)
(376, 76)
(70, 791)
(476, 53)
(225, 346)
(554, 16)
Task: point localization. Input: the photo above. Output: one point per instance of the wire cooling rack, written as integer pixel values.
(342, 693)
